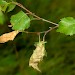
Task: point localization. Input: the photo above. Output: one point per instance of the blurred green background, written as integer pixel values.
(60, 60)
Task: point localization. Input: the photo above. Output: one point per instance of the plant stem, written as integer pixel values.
(39, 18)
(52, 28)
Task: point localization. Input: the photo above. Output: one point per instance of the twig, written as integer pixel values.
(39, 18)
(36, 18)
(40, 32)
(33, 32)
(52, 28)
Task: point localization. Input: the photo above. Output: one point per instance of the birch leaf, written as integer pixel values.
(2, 2)
(3, 5)
(37, 55)
(67, 26)
(8, 36)
(11, 7)
(20, 21)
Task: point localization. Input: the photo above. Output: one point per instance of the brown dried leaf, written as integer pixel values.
(8, 36)
(37, 55)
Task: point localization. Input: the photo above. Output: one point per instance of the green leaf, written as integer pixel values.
(3, 5)
(67, 26)
(1, 17)
(11, 7)
(2, 2)
(7, 3)
(20, 21)
(3, 8)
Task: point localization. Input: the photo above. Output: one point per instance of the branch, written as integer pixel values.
(52, 28)
(39, 18)
(47, 31)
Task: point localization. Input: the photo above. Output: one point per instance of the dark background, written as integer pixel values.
(60, 60)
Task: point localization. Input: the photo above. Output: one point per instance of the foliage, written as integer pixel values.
(20, 21)
(60, 54)
(67, 26)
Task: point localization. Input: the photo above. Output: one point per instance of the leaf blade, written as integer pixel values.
(3, 5)
(2, 2)
(37, 55)
(67, 26)
(11, 7)
(20, 21)
(8, 36)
